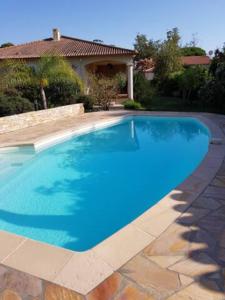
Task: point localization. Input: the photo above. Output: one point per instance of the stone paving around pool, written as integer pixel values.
(186, 261)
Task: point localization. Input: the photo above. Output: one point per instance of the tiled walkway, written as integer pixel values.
(186, 262)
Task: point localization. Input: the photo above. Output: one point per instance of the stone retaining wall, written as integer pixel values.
(15, 122)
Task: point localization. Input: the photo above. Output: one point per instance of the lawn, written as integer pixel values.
(160, 103)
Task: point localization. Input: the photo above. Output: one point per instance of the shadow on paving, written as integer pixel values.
(204, 222)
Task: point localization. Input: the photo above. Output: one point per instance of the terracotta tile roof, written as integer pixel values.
(66, 46)
(195, 60)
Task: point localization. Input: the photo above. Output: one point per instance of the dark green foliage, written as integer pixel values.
(168, 58)
(63, 92)
(143, 90)
(219, 58)
(86, 100)
(192, 51)
(190, 82)
(213, 92)
(10, 105)
(145, 48)
(131, 104)
(170, 86)
(6, 45)
(121, 81)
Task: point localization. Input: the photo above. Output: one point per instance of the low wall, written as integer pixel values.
(33, 118)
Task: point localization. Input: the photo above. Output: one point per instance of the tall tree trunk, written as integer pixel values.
(43, 97)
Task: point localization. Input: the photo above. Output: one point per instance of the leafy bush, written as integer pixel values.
(62, 92)
(103, 90)
(14, 105)
(131, 104)
(190, 82)
(121, 80)
(143, 90)
(87, 101)
(170, 86)
(213, 92)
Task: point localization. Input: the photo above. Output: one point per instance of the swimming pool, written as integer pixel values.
(77, 193)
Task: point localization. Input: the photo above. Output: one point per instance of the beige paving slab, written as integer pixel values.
(171, 243)
(83, 272)
(150, 276)
(185, 280)
(9, 243)
(120, 247)
(38, 259)
(164, 213)
(200, 265)
(196, 291)
(165, 261)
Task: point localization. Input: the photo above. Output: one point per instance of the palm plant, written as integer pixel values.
(49, 69)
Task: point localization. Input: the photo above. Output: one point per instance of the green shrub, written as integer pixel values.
(102, 90)
(143, 90)
(121, 80)
(132, 104)
(62, 92)
(14, 105)
(86, 100)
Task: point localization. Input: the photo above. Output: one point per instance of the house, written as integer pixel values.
(188, 61)
(84, 56)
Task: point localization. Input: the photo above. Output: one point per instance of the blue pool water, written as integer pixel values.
(77, 193)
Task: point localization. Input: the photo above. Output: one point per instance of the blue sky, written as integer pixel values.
(113, 21)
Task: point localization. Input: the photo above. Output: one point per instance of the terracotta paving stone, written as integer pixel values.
(201, 265)
(222, 239)
(131, 293)
(170, 242)
(192, 215)
(20, 282)
(219, 181)
(107, 289)
(213, 224)
(215, 192)
(158, 281)
(10, 295)
(207, 202)
(196, 291)
(55, 292)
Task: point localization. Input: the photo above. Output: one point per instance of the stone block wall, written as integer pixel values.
(15, 122)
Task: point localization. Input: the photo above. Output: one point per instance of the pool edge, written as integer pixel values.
(92, 267)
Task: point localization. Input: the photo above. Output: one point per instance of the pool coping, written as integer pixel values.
(83, 271)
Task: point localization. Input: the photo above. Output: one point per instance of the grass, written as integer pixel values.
(160, 103)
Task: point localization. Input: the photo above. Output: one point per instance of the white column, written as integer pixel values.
(130, 86)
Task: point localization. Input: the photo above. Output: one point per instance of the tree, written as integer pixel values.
(213, 92)
(6, 45)
(190, 51)
(168, 58)
(145, 48)
(218, 58)
(191, 80)
(48, 69)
